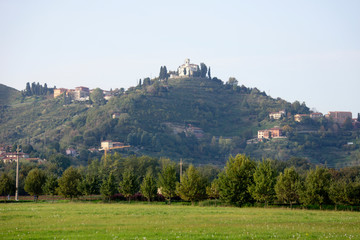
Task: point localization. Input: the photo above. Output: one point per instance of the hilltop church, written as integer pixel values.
(186, 70)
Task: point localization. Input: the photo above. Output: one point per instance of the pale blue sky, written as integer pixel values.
(297, 50)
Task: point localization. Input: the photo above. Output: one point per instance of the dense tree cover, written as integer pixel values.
(243, 181)
(228, 114)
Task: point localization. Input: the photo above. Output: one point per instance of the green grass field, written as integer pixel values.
(142, 221)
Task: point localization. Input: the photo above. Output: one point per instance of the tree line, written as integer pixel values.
(36, 89)
(243, 181)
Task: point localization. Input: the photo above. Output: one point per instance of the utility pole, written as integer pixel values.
(17, 174)
(181, 164)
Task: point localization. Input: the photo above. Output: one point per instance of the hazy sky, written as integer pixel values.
(305, 50)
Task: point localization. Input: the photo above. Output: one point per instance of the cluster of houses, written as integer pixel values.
(81, 94)
(7, 156)
(337, 116)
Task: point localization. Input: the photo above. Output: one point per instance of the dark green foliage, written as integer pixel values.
(51, 185)
(192, 186)
(69, 183)
(97, 97)
(316, 187)
(36, 89)
(34, 182)
(163, 73)
(235, 180)
(203, 70)
(7, 185)
(347, 125)
(339, 191)
(58, 163)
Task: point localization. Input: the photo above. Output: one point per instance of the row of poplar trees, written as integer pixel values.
(242, 181)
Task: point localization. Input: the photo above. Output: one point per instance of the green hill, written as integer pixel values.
(7, 95)
(200, 120)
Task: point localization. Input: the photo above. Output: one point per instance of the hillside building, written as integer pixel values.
(316, 115)
(270, 133)
(188, 69)
(338, 116)
(59, 91)
(277, 115)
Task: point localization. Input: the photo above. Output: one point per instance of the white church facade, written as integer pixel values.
(186, 70)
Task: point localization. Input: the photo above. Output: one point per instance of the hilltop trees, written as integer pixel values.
(203, 70)
(36, 89)
(163, 73)
(97, 97)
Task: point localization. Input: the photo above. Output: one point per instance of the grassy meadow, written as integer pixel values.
(81, 220)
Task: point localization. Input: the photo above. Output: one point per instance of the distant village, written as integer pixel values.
(80, 94)
(337, 117)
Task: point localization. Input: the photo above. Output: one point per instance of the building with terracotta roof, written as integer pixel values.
(316, 115)
(339, 116)
(270, 133)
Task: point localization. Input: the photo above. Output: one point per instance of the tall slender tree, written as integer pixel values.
(129, 184)
(108, 187)
(148, 187)
(167, 181)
